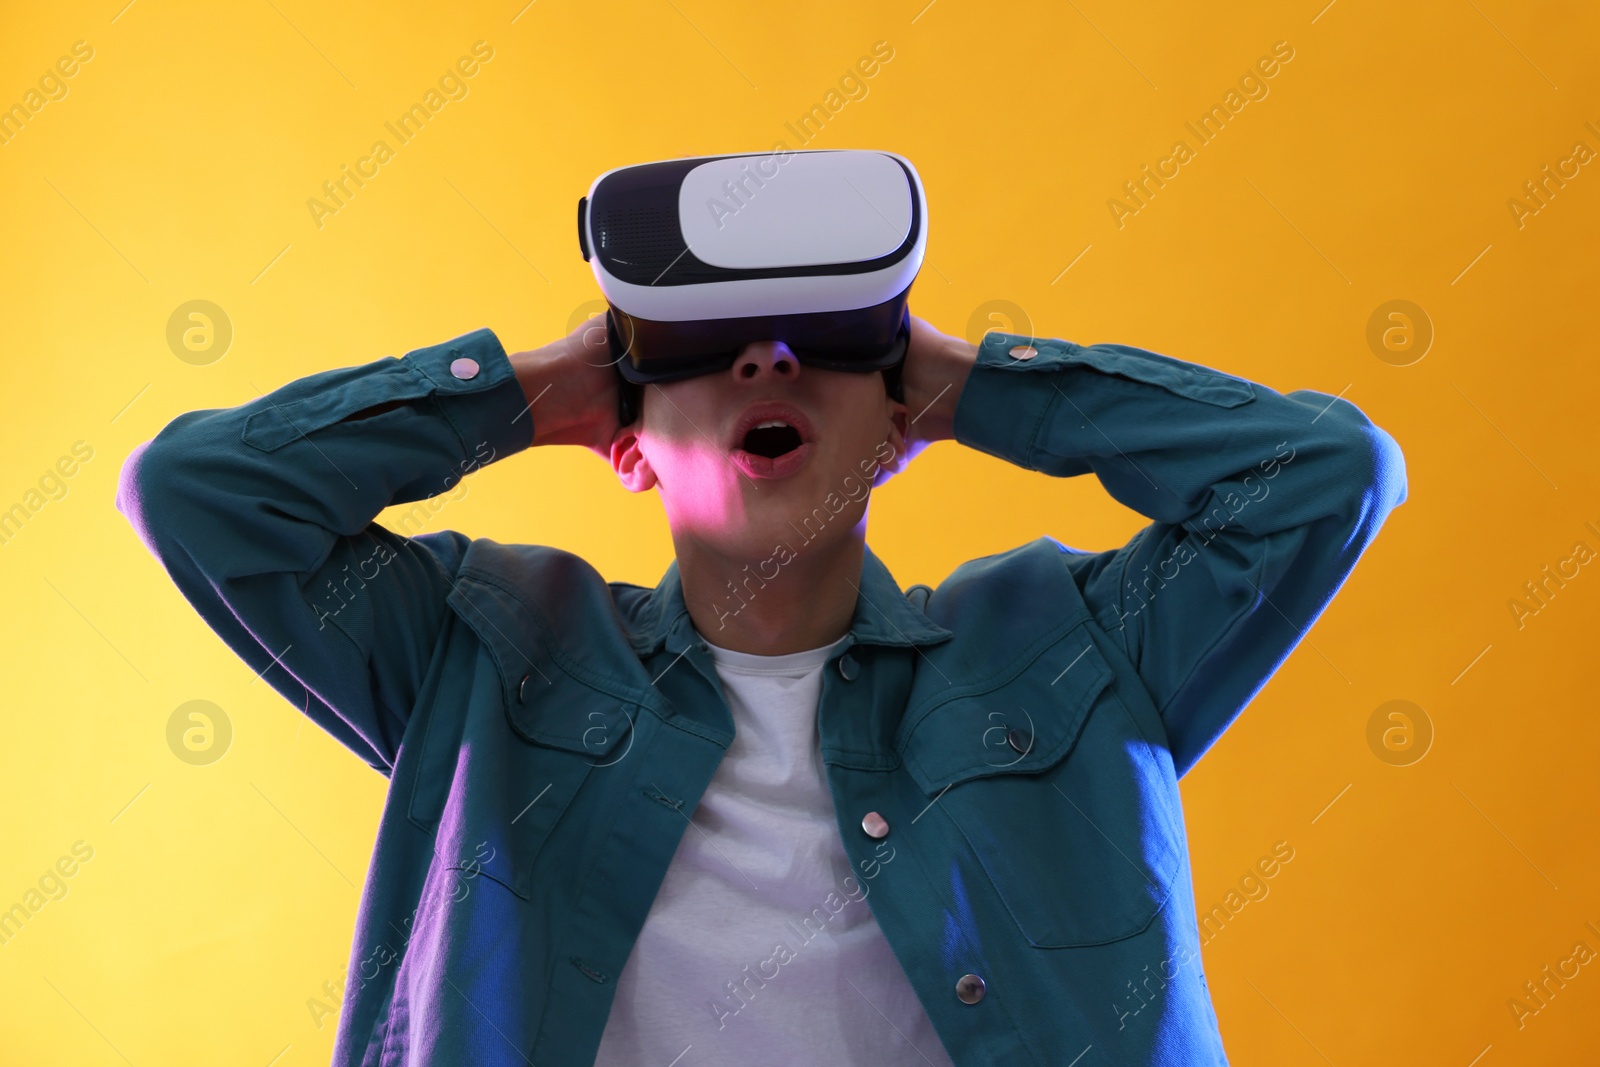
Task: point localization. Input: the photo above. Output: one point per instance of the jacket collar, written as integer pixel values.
(883, 614)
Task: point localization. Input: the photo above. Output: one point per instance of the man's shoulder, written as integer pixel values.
(539, 600)
(1039, 581)
(1043, 558)
(484, 557)
(554, 584)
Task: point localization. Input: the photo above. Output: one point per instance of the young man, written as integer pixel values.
(774, 810)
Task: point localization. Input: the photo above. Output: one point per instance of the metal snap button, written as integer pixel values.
(1019, 741)
(522, 690)
(1024, 352)
(464, 368)
(969, 987)
(848, 667)
(875, 825)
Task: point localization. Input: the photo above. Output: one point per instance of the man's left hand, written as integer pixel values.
(935, 372)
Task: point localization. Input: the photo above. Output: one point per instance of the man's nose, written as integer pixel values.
(761, 360)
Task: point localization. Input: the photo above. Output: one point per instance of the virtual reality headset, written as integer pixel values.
(698, 257)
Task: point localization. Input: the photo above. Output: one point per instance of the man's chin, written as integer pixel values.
(807, 524)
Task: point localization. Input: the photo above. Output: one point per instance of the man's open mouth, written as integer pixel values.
(771, 438)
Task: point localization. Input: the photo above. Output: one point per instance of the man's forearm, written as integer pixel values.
(1168, 438)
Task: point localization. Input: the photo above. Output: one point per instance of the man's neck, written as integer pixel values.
(769, 607)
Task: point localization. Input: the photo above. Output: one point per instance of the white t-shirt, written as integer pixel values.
(761, 918)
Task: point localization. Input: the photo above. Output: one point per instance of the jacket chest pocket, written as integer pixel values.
(563, 734)
(501, 782)
(1070, 809)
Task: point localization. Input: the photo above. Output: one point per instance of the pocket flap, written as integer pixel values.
(544, 703)
(1041, 709)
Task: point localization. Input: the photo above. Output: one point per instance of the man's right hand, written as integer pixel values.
(571, 388)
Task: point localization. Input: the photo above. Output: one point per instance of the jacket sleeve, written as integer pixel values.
(262, 515)
(1261, 504)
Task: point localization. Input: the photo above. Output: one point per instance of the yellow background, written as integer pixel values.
(220, 898)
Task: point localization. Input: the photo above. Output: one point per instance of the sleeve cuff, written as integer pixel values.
(1001, 408)
(477, 390)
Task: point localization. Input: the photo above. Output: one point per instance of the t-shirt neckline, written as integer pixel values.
(790, 663)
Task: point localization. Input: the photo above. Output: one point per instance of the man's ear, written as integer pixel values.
(895, 439)
(629, 461)
(899, 419)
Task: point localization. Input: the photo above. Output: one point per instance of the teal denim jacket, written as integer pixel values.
(547, 734)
